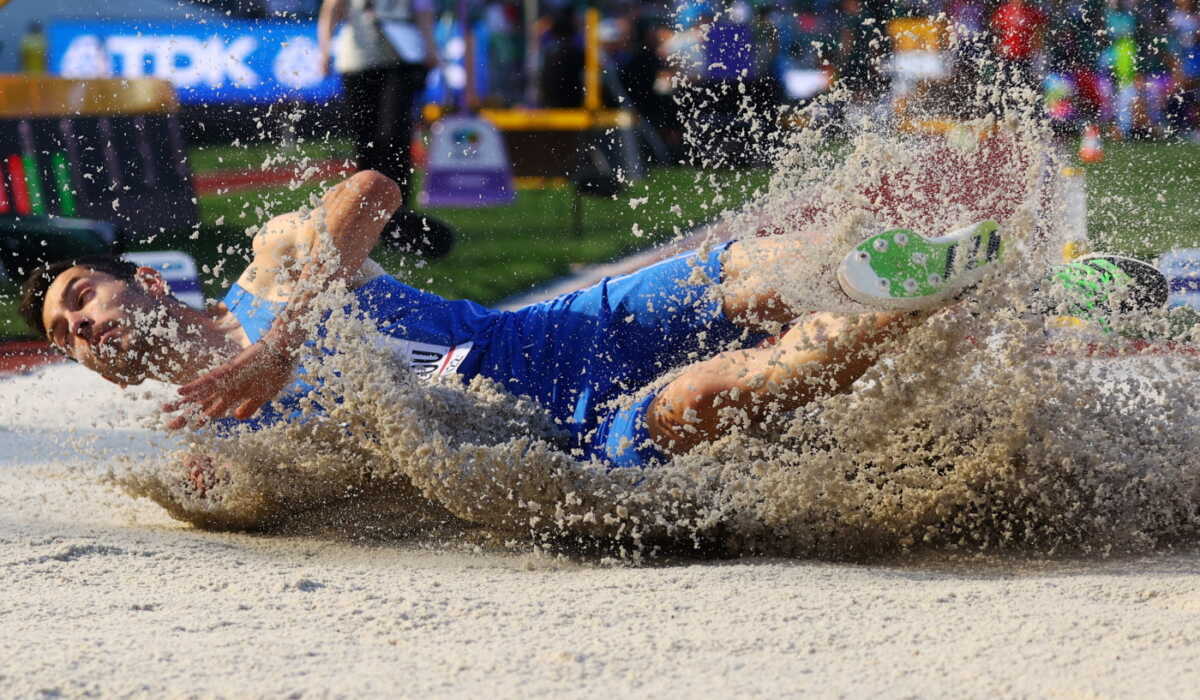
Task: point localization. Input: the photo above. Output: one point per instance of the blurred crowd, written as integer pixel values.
(1131, 67)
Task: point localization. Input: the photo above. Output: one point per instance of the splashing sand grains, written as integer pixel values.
(967, 436)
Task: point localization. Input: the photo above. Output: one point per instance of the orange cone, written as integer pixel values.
(1091, 148)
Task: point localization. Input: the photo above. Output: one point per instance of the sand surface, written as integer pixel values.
(108, 596)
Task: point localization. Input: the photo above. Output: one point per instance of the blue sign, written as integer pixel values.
(233, 61)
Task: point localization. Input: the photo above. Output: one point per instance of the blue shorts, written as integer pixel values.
(580, 353)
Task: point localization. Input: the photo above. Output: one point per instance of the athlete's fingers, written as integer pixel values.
(191, 416)
(248, 409)
(205, 385)
(199, 383)
(216, 408)
(178, 405)
(215, 378)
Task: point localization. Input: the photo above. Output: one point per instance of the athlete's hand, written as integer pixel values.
(239, 387)
(201, 473)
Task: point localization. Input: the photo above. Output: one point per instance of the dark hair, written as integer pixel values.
(33, 290)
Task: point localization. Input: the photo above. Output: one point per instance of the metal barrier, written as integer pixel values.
(107, 150)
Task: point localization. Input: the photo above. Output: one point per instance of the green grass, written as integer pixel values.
(1144, 198)
(244, 157)
(10, 323)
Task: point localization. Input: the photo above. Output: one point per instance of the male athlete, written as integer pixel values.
(575, 354)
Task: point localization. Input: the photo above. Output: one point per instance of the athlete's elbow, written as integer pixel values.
(377, 189)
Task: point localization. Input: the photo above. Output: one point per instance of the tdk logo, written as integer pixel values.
(184, 60)
(189, 62)
(233, 61)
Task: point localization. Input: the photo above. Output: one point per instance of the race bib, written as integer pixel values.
(426, 360)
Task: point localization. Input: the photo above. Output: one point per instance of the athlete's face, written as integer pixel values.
(105, 323)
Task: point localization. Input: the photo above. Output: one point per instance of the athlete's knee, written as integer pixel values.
(686, 411)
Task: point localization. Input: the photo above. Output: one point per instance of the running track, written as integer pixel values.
(225, 181)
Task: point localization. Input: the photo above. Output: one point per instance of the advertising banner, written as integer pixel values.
(233, 61)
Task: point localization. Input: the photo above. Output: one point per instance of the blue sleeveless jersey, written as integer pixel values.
(428, 323)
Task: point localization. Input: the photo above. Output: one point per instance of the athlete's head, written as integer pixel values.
(103, 312)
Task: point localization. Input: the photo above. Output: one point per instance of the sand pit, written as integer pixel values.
(107, 595)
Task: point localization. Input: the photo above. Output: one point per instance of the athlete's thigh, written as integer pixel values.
(665, 315)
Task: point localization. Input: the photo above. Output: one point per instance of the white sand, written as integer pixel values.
(108, 596)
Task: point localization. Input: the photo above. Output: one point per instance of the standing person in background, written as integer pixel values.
(641, 73)
(765, 88)
(1019, 27)
(1153, 63)
(563, 61)
(1121, 60)
(972, 51)
(384, 52)
(862, 48)
(1184, 50)
(1075, 27)
(33, 49)
(505, 51)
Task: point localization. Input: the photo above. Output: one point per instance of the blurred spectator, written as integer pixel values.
(383, 74)
(1073, 53)
(970, 45)
(862, 48)
(1153, 64)
(1120, 58)
(765, 88)
(563, 61)
(33, 49)
(967, 17)
(1019, 26)
(505, 49)
(1183, 107)
(640, 74)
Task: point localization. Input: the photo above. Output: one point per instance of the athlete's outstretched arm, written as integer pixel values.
(354, 214)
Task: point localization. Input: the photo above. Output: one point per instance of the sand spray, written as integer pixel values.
(968, 434)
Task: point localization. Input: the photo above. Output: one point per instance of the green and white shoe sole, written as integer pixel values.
(1101, 286)
(902, 270)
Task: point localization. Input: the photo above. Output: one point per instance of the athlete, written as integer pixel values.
(575, 354)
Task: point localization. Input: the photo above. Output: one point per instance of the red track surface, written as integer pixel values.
(221, 182)
(21, 356)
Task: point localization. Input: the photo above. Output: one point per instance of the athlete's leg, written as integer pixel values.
(821, 356)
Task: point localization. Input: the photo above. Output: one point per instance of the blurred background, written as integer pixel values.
(1128, 65)
(578, 131)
